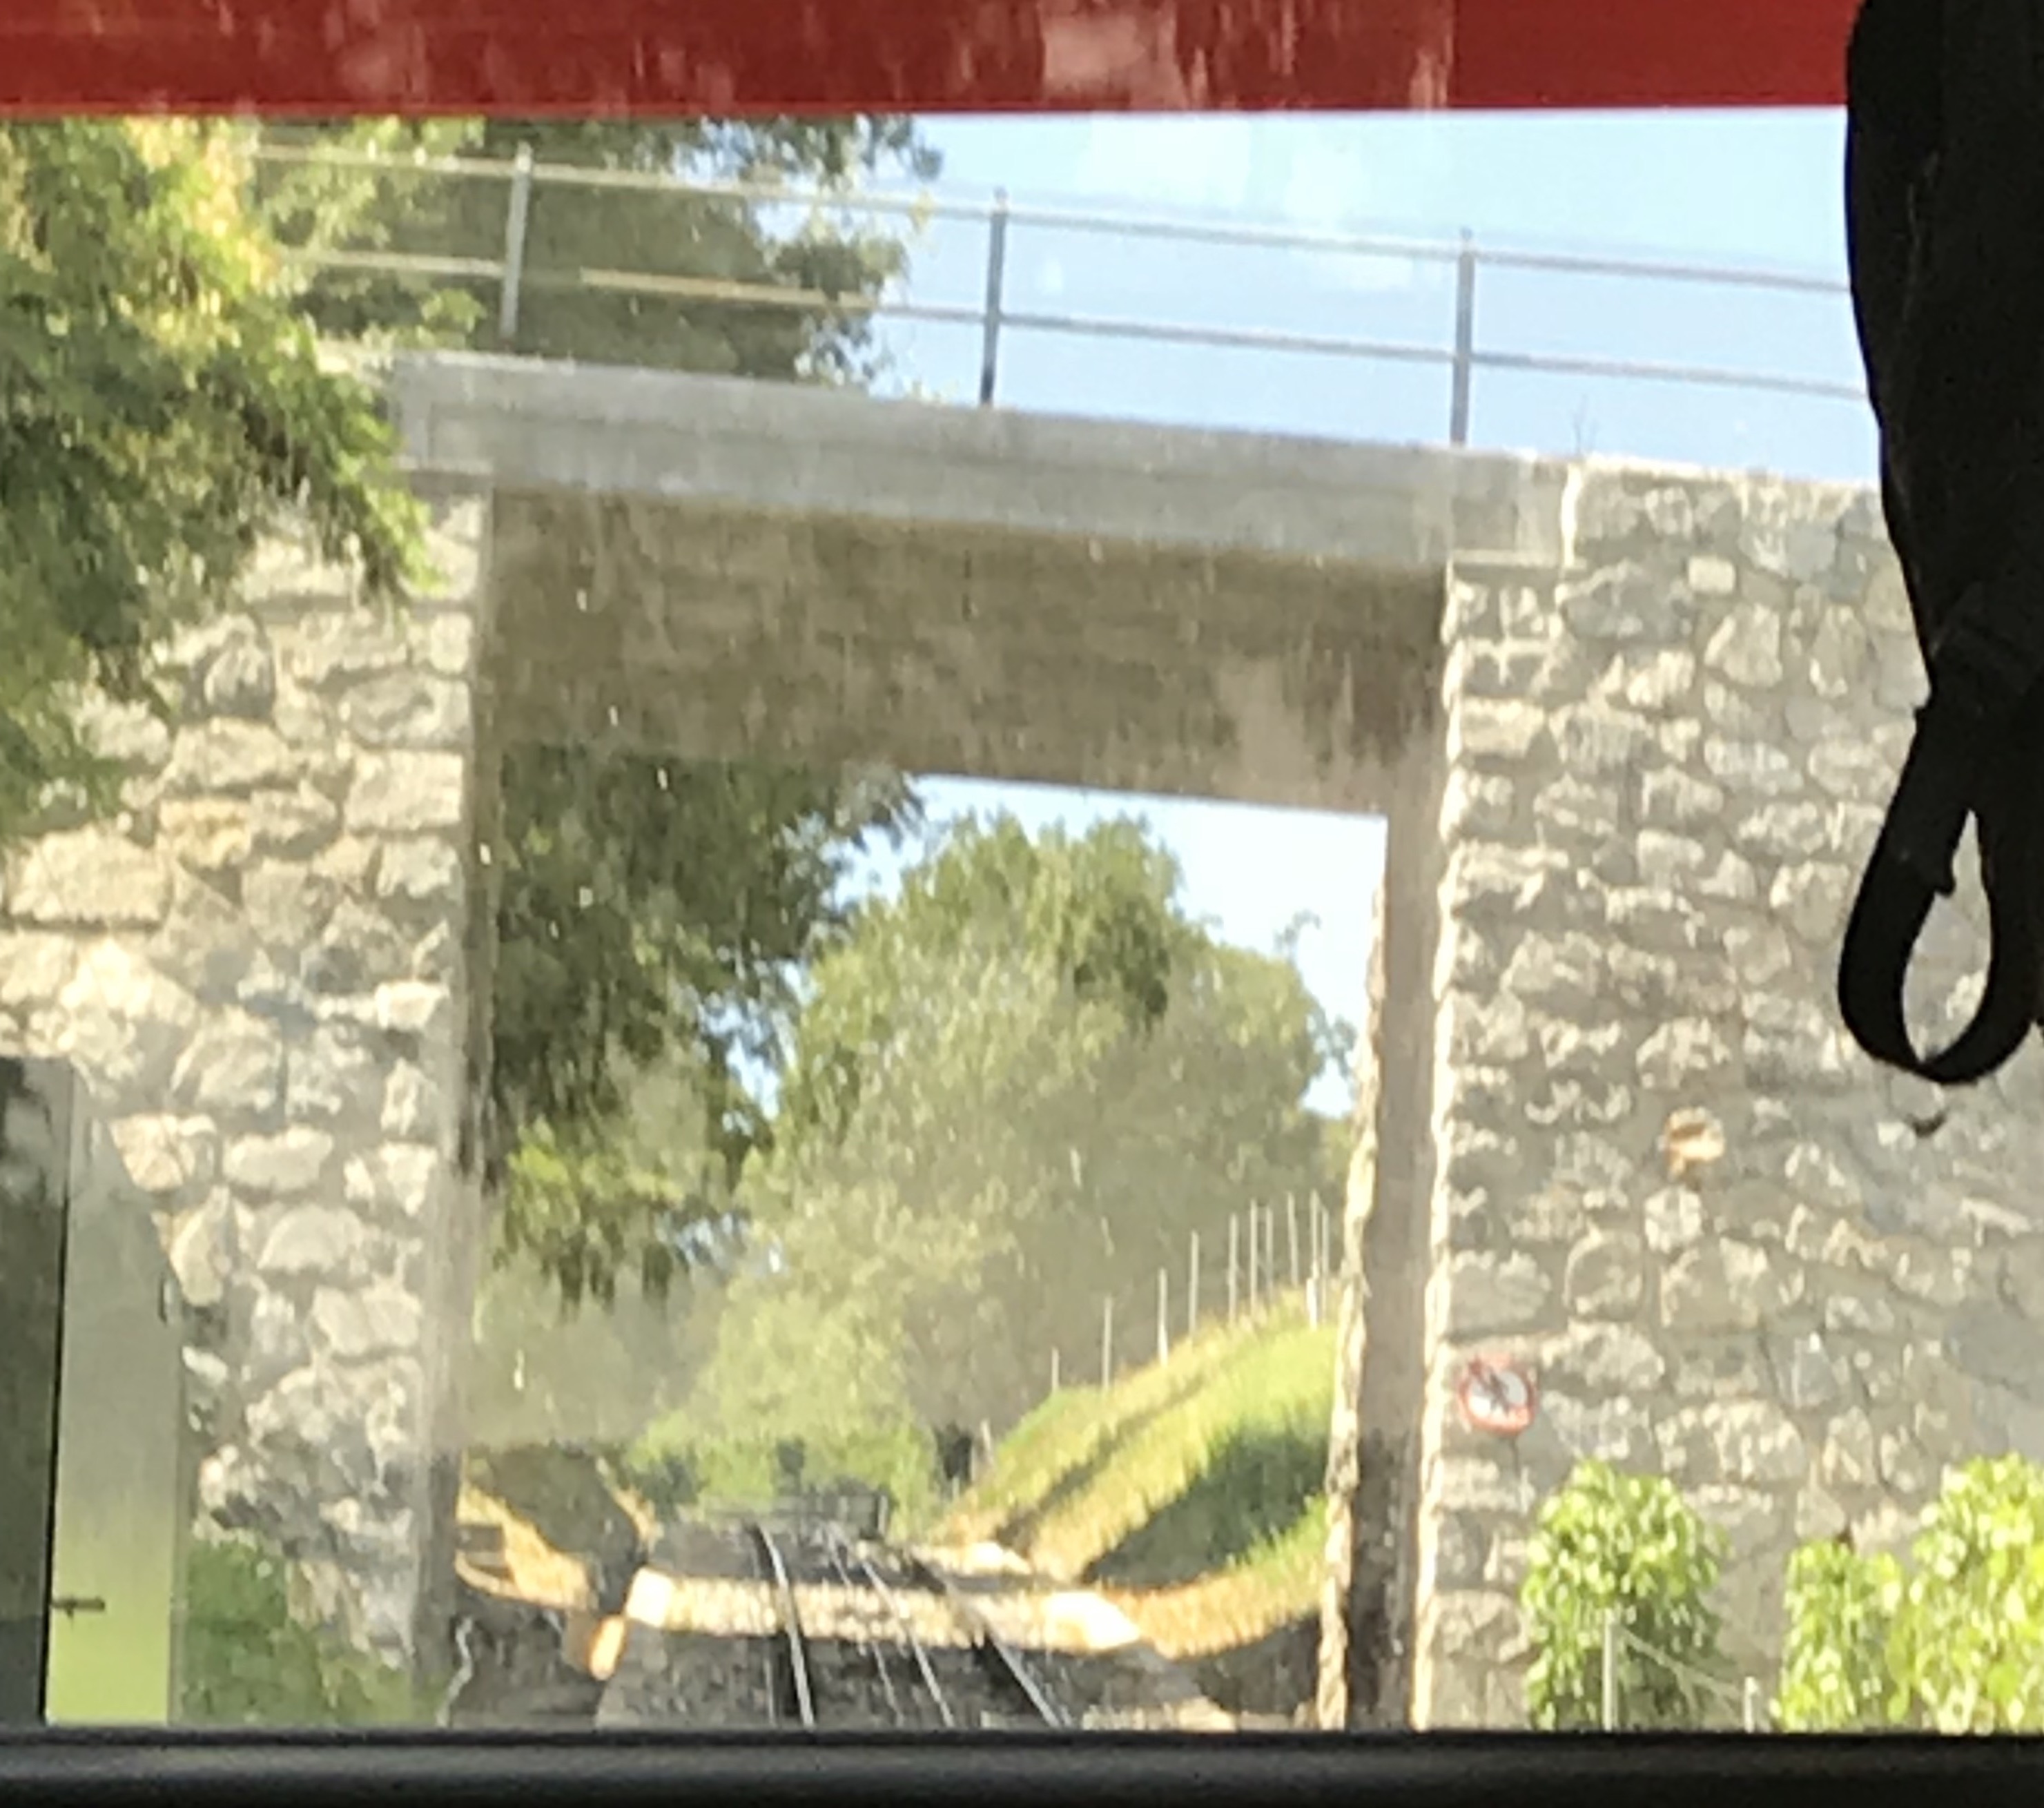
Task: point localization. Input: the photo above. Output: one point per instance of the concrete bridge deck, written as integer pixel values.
(718, 567)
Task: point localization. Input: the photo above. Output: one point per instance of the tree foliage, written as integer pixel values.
(166, 407)
(1608, 1543)
(1017, 1085)
(162, 408)
(1956, 1646)
(653, 920)
(1841, 1609)
(650, 912)
(797, 245)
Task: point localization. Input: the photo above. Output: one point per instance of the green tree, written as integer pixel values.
(1969, 1647)
(1016, 1085)
(1611, 1548)
(537, 1372)
(1956, 1646)
(162, 408)
(653, 921)
(166, 407)
(648, 909)
(1842, 1608)
(579, 239)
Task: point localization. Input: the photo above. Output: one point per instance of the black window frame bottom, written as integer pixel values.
(997, 1771)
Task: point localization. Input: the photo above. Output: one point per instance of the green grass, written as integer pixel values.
(251, 1660)
(675, 1466)
(1189, 1492)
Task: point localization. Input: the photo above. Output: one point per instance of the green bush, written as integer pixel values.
(250, 1661)
(1969, 1653)
(1957, 1646)
(1842, 1608)
(1608, 1543)
(673, 1468)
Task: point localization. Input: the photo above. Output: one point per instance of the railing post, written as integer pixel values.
(1163, 1316)
(1458, 407)
(1107, 1344)
(517, 216)
(1192, 1288)
(997, 271)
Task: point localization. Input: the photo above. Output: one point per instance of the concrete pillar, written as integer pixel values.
(1366, 1607)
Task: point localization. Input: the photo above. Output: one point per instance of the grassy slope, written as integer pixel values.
(1189, 1493)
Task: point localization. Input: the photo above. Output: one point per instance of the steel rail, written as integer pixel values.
(791, 1626)
(834, 1554)
(994, 1650)
(917, 1650)
(720, 292)
(1120, 223)
(1462, 351)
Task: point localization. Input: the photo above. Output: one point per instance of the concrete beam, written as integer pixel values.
(521, 423)
(702, 632)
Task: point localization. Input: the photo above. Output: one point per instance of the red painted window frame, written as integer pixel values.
(725, 56)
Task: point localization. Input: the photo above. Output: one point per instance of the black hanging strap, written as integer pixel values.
(1986, 665)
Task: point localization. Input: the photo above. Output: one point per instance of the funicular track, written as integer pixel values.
(887, 1643)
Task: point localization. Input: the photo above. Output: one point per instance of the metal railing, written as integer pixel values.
(1462, 354)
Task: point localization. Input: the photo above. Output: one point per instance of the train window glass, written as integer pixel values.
(932, 921)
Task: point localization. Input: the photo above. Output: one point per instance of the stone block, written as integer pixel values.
(234, 1064)
(229, 757)
(1606, 1276)
(1488, 1293)
(407, 793)
(311, 1240)
(1727, 1286)
(92, 877)
(285, 1165)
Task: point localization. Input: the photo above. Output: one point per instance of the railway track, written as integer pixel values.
(766, 1625)
(902, 1650)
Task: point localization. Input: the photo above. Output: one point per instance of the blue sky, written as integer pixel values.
(1758, 190)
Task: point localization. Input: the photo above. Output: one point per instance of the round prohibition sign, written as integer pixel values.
(1497, 1396)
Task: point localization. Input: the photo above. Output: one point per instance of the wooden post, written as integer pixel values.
(1270, 1255)
(1163, 1315)
(1313, 1225)
(1609, 1705)
(1234, 1239)
(1292, 1235)
(1319, 1277)
(1107, 1343)
(1192, 1287)
(1255, 1249)
(1054, 1370)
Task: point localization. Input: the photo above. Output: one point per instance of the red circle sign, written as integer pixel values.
(1497, 1396)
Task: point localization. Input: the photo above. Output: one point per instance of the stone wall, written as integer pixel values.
(1731, 1249)
(259, 968)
